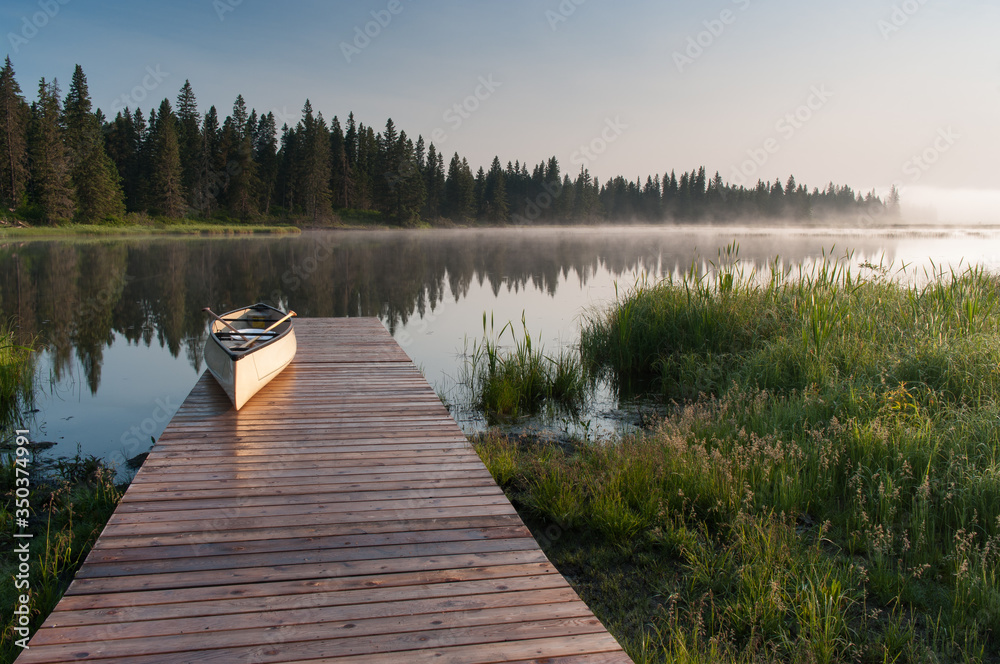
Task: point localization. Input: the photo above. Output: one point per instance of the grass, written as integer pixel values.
(825, 488)
(71, 500)
(508, 383)
(141, 224)
(16, 377)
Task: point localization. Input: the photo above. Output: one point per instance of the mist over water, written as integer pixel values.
(124, 330)
(963, 207)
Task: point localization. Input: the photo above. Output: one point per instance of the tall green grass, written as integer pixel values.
(71, 501)
(17, 373)
(826, 487)
(507, 382)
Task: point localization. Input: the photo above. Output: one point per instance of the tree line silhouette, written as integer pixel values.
(61, 161)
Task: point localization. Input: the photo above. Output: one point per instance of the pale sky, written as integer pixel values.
(860, 93)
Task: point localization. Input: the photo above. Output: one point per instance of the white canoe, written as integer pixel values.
(244, 363)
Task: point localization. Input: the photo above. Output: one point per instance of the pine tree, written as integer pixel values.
(95, 179)
(340, 172)
(892, 205)
(582, 209)
(189, 140)
(716, 192)
(459, 191)
(289, 169)
(167, 181)
(365, 171)
(433, 185)
(790, 186)
(240, 117)
(495, 208)
(776, 199)
(14, 114)
(553, 187)
(240, 166)
(122, 142)
(266, 158)
(699, 182)
(51, 182)
(351, 141)
(410, 192)
(211, 167)
(420, 151)
(315, 183)
(388, 166)
(143, 166)
(479, 194)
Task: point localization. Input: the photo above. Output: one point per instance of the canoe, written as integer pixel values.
(246, 360)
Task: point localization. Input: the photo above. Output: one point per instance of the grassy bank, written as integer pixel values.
(825, 488)
(144, 225)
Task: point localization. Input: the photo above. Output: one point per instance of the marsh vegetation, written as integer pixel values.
(822, 486)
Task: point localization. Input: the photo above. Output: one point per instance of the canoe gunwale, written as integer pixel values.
(237, 355)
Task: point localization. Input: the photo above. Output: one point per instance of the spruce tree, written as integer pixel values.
(211, 168)
(144, 160)
(241, 192)
(167, 181)
(189, 140)
(315, 182)
(433, 184)
(388, 167)
(265, 154)
(478, 194)
(495, 208)
(364, 172)
(289, 169)
(240, 116)
(553, 186)
(123, 144)
(351, 141)
(95, 179)
(50, 180)
(420, 152)
(340, 170)
(459, 191)
(14, 114)
(892, 205)
(409, 192)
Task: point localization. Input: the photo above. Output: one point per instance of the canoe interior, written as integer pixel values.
(251, 324)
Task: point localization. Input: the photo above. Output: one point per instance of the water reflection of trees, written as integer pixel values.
(78, 295)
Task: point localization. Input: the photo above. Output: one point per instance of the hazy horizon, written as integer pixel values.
(865, 94)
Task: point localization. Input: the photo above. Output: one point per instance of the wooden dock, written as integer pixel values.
(340, 515)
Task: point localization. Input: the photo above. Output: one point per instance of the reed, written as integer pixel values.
(518, 379)
(827, 492)
(17, 373)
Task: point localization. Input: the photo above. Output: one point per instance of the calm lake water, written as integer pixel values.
(124, 330)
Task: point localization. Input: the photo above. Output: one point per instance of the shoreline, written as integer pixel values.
(229, 230)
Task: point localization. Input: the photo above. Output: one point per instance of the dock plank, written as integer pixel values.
(340, 515)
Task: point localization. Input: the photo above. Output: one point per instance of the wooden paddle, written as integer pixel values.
(263, 332)
(223, 321)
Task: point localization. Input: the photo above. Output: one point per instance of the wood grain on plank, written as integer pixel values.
(340, 514)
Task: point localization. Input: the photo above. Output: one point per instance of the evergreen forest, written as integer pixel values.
(63, 161)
